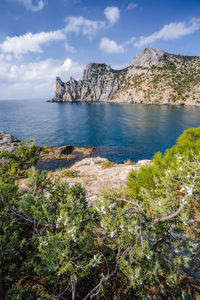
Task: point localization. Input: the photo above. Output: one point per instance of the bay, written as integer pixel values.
(118, 131)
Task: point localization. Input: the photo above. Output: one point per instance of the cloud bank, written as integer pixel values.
(19, 81)
(30, 42)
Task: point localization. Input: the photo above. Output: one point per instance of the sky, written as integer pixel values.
(42, 39)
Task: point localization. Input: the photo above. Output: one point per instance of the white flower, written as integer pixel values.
(122, 226)
(111, 206)
(103, 210)
(179, 157)
(181, 169)
(63, 254)
(189, 190)
(112, 233)
(132, 277)
(94, 265)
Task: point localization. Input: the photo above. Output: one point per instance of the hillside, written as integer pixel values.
(154, 77)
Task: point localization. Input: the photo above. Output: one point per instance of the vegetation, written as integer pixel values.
(107, 164)
(71, 173)
(130, 244)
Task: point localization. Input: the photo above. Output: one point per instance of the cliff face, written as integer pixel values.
(99, 83)
(154, 76)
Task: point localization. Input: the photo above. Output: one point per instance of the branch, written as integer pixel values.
(168, 217)
(105, 278)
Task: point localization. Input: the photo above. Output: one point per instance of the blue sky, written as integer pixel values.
(42, 39)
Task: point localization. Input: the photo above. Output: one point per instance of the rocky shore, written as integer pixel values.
(94, 173)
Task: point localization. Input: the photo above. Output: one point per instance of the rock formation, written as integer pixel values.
(8, 142)
(154, 76)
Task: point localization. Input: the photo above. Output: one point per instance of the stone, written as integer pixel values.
(144, 162)
(64, 150)
(8, 142)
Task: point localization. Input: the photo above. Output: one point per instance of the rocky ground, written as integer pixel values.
(97, 174)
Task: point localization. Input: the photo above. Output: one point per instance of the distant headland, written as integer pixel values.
(154, 77)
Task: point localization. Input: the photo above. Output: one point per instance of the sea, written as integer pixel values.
(119, 132)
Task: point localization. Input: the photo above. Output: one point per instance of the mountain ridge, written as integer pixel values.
(154, 77)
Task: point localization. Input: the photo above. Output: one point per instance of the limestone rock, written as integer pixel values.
(8, 142)
(144, 162)
(154, 77)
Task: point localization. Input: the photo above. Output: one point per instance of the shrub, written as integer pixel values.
(129, 245)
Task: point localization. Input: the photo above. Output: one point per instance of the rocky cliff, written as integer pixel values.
(154, 76)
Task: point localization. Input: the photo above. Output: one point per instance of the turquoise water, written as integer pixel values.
(118, 131)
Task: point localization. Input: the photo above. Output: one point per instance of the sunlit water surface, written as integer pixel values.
(118, 131)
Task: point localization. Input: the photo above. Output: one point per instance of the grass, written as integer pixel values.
(107, 164)
(71, 173)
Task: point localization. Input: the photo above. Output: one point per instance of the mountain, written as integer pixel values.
(154, 77)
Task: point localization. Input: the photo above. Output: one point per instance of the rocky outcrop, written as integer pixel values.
(8, 142)
(64, 150)
(99, 83)
(154, 76)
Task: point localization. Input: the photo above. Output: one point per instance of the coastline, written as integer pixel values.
(178, 104)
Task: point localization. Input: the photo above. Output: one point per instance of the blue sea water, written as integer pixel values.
(118, 131)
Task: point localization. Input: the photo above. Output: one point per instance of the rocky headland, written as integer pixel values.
(154, 77)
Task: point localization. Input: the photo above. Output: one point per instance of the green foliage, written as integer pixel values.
(53, 245)
(71, 173)
(188, 145)
(107, 164)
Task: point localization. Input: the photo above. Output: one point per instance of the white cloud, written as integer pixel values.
(132, 5)
(110, 46)
(30, 42)
(33, 5)
(34, 79)
(170, 31)
(112, 13)
(81, 25)
(70, 48)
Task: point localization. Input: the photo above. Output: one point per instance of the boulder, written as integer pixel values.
(64, 150)
(144, 162)
(8, 142)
